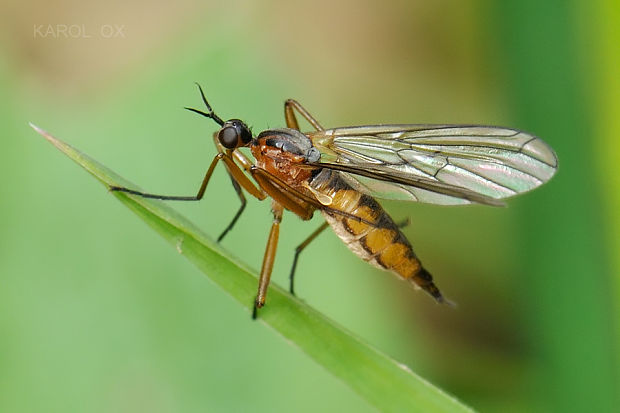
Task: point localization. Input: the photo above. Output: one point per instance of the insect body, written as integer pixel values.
(339, 172)
(360, 221)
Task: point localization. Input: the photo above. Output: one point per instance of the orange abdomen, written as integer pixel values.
(375, 238)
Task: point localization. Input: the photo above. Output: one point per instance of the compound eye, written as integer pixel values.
(246, 135)
(229, 137)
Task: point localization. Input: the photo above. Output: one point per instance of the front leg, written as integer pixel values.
(235, 173)
(197, 197)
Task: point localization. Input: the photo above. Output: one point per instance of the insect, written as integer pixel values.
(341, 171)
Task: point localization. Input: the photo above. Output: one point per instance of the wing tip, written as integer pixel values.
(539, 149)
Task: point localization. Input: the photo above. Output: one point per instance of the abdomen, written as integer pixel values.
(381, 244)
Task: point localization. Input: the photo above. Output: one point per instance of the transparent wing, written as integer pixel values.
(491, 162)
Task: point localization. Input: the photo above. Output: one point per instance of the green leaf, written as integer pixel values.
(380, 380)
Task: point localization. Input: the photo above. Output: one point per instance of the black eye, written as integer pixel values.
(246, 135)
(229, 137)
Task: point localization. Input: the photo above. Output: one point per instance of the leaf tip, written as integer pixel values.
(43, 133)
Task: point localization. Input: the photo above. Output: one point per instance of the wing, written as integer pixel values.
(438, 164)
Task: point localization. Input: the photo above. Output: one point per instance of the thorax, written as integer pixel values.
(282, 152)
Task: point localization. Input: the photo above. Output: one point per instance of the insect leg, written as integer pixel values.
(237, 187)
(404, 223)
(247, 165)
(236, 173)
(197, 197)
(299, 249)
(243, 160)
(288, 199)
(291, 119)
(269, 258)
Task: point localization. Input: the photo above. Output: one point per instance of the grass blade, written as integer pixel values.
(380, 380)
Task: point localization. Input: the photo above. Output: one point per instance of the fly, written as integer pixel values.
(341, 171)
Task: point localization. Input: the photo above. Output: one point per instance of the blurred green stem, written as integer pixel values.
(566, 274)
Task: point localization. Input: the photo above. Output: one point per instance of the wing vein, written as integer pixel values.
(440, 164)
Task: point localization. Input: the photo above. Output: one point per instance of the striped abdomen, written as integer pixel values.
(381, 244)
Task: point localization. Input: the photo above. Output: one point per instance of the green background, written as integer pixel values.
(98, 314)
